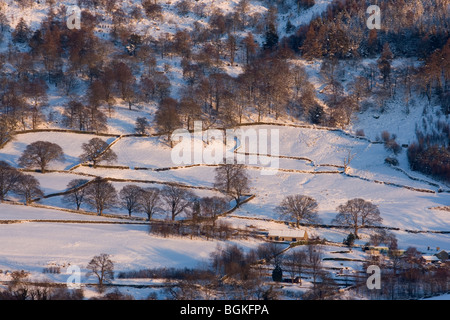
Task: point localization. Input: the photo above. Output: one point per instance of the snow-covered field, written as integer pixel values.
(69, 142)
(310, 161)
(33, 245)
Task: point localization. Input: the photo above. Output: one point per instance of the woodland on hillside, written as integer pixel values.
(96, 73)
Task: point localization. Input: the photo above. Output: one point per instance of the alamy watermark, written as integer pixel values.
(74, 280)
(374, 281)
(214, 147)
(374, 20)
(73, 14)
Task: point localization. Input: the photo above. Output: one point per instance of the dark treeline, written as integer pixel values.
(430, 154)
(412, 28)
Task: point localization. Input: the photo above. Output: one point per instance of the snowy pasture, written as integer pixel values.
(302, 152)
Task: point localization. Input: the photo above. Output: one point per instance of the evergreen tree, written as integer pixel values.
(289, 26)
(271, 37)
(277, 274)
(350, 240)
(22, 32)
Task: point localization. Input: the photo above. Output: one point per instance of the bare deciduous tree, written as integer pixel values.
(102, 267)
(141, 125)
(357, 213)
(40, 154)
(213, 206)
(167, 118)
(96, 150)
(299, 208)
(296, 261)
(177, 200)
(129, 196)
(28, 187)
(101, 195)
(78, 193)
(150, 199)
(9, 178)
(314, 256)
(8, 124)
(233, 180)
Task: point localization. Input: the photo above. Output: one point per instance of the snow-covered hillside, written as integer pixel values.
(138, 71)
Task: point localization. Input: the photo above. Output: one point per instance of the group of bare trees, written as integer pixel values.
(41, 153)
(210, 92)
(269, 84)
(355, 213)
(22, 288)
(249, 270)
(170, 199)
(405, 275)
(13, 181)
(234, 273)
(231, 179)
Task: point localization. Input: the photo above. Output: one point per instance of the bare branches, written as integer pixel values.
(357, 213)
(299, 208)
(41, 153)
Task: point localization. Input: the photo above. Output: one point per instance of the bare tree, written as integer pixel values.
(230, 261)
(296, 262)
(9, 178)
(101, 195)
(299, 208)
(232, 46)
(357, 213)
(102, 267)
(150, 199)
(189, 108)
(78, 192)
(36, 91)
(129, 196)
(250, 47)
(28, 187)
(384, 237)
(314, 256)
(274, 253)
(76, 115)
(233, 180)
(177, 200)
(41, 153)
(97, 150)
(167, 118)
(213, 206)
(8, 124)
(348, 160)
(125, 81)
